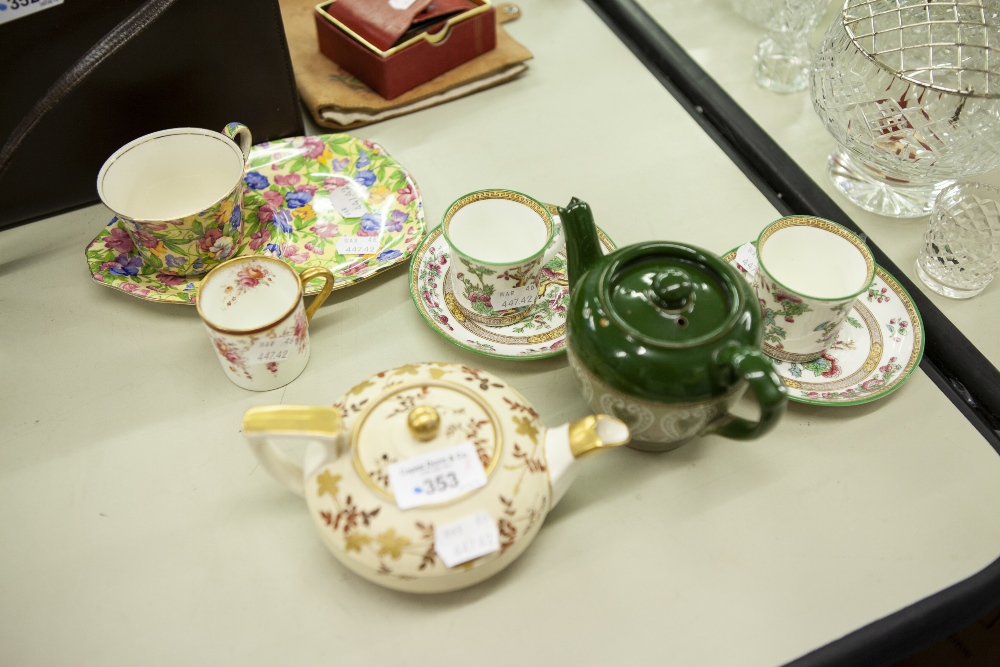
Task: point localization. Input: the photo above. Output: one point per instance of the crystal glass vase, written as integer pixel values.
(961, 251)
(782, 57)
(910, 89)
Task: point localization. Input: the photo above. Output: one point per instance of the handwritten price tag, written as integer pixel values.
(266, 350)
(437, 476)
(746, 257)
(515, 297)
(461, 541)
(347, 202)
(358, 245)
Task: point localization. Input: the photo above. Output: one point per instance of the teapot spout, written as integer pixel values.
(582, 438)
(583, 248)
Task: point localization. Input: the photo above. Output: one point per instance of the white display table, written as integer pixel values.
(138, 528)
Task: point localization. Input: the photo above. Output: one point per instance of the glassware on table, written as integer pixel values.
(752, 10)
(782, 58)
(961, 251)
(910, 89)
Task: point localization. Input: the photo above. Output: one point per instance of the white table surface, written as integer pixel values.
(723, 43)
(136, 527)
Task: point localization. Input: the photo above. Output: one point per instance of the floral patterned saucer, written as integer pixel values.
(877, 348)
(288, 213)
(541, 334)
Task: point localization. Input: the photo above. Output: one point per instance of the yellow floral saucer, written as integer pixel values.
(288, 213)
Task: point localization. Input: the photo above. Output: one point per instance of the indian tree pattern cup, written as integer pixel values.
(500, 240)
(810, 272)
(254, 312)
(961, 251)
(179, 195)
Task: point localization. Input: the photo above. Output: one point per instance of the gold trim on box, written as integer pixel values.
(435, 38)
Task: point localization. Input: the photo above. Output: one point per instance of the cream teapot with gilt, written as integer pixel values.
(429, 477)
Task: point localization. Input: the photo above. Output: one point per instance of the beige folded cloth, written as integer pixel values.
(340, 101)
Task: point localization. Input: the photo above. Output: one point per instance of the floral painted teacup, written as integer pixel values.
(500, 240)
(254, 312)
(810, 272)
(179, 195)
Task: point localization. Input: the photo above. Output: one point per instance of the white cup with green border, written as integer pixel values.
(500, 240)
(810, 272)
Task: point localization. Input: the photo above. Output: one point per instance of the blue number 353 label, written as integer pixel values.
(11, 10)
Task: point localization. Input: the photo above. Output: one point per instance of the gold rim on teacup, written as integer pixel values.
(509, 195)
(825, 225)
(301, 279)
(810, 323)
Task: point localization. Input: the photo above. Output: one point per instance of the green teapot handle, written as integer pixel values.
(758, 370)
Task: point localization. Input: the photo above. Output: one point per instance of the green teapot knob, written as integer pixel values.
(671, 289)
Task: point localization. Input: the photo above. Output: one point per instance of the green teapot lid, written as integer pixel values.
(669, 296)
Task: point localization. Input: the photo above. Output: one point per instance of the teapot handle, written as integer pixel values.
(758, 370)
(302, 422)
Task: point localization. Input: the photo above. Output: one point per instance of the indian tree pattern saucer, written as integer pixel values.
(288, 213)
(877, 348)
(542, 333)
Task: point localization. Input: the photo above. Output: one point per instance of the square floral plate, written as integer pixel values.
(542, 333)
(877, 348)
(288, 213)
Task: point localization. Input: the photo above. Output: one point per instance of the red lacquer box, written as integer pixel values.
(408, 64)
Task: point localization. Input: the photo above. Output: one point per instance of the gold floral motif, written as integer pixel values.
(355, 541)
(526, 426)
(391, 544)
(327, 484)
(360, 388)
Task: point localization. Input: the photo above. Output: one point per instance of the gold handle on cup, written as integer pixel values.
(317, 272)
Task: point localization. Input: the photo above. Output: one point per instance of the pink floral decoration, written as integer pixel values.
(145, 238)
(119, 241)
(405, 195)
(314, 147)
(208, 240)
(287, 179)
(259, 238)
(326, 229)
(275, 199)
(290, 251)
(250, 275)
(170, 278)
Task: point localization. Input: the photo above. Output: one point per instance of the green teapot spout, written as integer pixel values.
(583, 248)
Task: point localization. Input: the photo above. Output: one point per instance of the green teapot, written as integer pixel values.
(666, 337)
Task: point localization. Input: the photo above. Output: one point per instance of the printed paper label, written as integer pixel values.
(11, 10)
(746, 258)
(358, 245)
(437, 476)
(461, 541)
(266, 350)
(401, 5)
(515, 297)
(347, 202)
